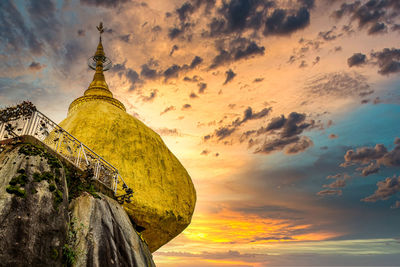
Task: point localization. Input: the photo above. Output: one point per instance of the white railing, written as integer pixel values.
(25, 119)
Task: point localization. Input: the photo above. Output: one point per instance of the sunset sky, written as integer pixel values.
(286, 114)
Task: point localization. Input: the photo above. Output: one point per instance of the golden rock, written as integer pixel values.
(164, 196)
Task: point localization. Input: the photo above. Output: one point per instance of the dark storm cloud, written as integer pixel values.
(15, 31)
(281, 22)
(377, 28)
(148, 73)
(236, 16)
(133, 78)
(186, 106)
(338, 84)
(35, 66)
(293, 125)
(44, 17)
(202, 87)
(104, 3)
(229, 76)
(227, 130)
(167, 109)
(357, 59)
(174, 70)
(281, 133)
(388, 60)
(386, 189)
(237, 49)
(372, 13)
(173, 49)
(195, 62)
(185, 10)
(290, 145)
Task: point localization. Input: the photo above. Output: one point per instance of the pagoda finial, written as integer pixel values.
(100, 28)
(100, 63)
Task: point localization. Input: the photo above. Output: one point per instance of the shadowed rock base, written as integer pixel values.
(105, 234)
(42, 223)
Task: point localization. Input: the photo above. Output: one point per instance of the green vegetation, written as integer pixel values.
(78, 183)
(69, 255)
(16, 183)
(16, 191)
(70, 251)
(54, 254)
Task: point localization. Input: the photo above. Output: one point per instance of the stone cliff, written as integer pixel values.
(52, 215)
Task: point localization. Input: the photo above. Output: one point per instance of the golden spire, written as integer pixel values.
(99, 85)
(98, 89)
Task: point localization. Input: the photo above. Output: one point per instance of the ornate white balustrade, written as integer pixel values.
(25, 119)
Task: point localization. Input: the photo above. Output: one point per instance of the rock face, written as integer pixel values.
(104, 231)
(45, 223)
(33, 209)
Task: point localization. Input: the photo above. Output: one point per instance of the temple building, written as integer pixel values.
(164, 196)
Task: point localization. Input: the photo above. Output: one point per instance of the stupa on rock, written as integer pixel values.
(164, 196)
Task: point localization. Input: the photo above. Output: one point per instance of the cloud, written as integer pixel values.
(237, 49)
(104, 3)
(281, 22)
(205, 152)
(133, 78)
(43, 15)
(15, 32)
(151, 97)
(377, 28)
(370, 169)
(338, 84)
(229, 76)
(148, 73)
(282, 133)
(333, 136)
(374, 157)
(336, 184)
(186, 106)
(35, 66)
(370, 14)
(365, 155)
(248, 114)
(168, 132)
(386, 189)
(330, 192)
(174, 70)
(193, 95)
(174, 48)
(290, 145)
(388, 60)
(195, 62)
(356, 59)
(329, 35)
(170, 108)
(202, 87)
